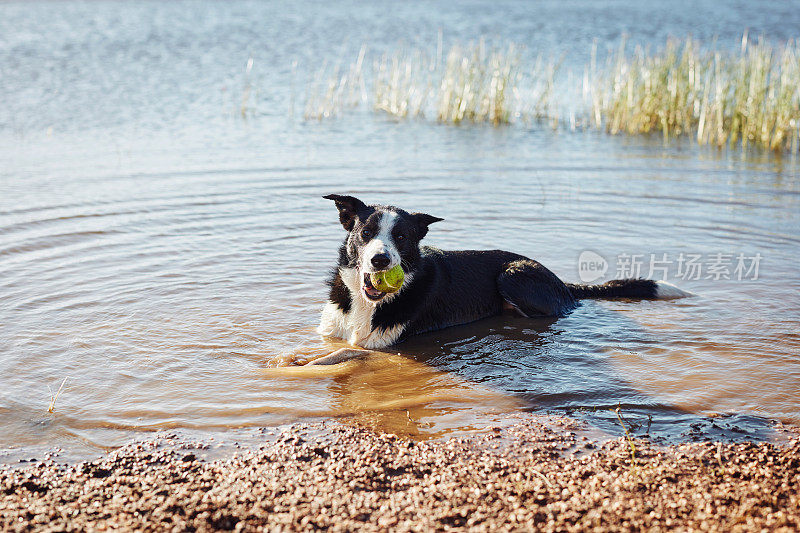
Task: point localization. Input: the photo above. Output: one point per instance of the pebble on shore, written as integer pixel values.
(526, 476)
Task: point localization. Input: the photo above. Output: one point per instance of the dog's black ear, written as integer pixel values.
(348, 207)
(423, 221)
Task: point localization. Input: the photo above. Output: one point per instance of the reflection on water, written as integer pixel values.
(397, 394)
(164, 256)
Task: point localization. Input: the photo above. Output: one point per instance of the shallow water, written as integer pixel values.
(162, 253)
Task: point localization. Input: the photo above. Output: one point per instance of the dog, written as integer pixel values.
(441, 288)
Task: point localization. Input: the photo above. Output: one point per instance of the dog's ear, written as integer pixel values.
(348, 207)
(423, 221)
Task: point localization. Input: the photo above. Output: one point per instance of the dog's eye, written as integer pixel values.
(400, 237)
(366, 234)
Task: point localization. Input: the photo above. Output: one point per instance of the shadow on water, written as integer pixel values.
(559, 366)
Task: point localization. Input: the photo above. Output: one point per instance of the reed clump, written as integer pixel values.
(749, 97)
(469, 84)
(478, 84)
(734, 98)
(333, 91)
(473, 83)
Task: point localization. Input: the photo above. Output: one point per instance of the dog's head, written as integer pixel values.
(379, 238)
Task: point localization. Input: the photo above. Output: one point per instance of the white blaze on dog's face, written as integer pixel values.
(375, 243)
(379, 251)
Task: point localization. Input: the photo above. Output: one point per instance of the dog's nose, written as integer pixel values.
(380, 261)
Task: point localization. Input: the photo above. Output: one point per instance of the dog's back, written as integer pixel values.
(448, 288)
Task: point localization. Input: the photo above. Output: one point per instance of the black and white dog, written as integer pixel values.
(441, 288)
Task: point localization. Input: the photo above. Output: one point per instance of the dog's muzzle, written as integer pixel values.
(371, 292)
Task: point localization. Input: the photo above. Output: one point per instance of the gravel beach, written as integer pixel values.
(525, 476)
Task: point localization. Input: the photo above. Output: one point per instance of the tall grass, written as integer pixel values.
(742, 98)
(469, 83)
(749, 97)
(332, 92)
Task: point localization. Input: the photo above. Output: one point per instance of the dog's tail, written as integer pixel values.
(628, 288)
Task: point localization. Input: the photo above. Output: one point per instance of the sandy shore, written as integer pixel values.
(524, 476)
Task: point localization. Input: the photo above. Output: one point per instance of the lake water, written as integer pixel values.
(163, 253)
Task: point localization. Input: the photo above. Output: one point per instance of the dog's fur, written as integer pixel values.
(441, 288)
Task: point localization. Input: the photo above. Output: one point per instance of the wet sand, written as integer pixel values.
(527, 475)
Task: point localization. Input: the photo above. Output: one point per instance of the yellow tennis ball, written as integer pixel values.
(388, 280)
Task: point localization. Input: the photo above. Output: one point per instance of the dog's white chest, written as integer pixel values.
(355, 326)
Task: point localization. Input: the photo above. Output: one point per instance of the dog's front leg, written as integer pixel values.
(341, 355)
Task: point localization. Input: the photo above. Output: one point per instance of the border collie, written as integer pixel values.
(441, 288)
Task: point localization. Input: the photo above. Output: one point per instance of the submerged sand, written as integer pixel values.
(526, 476)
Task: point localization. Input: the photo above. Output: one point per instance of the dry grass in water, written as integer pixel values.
(474, 83)
(332, 92)
(722, 98)
(749, 97)
(53, 397)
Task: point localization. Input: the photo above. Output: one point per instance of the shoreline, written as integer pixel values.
(530, 474)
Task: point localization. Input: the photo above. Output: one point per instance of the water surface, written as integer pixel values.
(163, 253)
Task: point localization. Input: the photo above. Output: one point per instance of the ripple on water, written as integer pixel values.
(164, 256)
